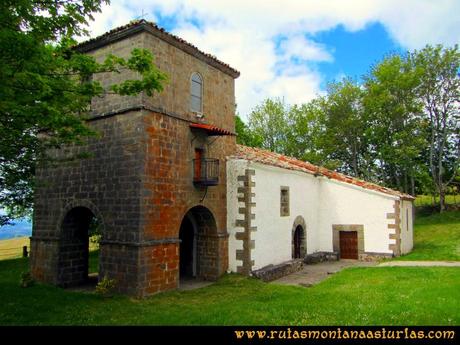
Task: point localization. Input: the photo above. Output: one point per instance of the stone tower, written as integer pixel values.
(154, 177)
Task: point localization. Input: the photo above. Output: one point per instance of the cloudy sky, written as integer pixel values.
(292, 48)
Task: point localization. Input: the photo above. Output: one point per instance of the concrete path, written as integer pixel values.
(314, 273)
(420, 263)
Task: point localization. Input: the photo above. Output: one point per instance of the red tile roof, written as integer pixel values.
(136, 26)
(210, 129)
(274, 159)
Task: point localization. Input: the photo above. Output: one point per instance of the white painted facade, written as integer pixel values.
(322, 203)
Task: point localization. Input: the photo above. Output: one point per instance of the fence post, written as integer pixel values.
(24, 252)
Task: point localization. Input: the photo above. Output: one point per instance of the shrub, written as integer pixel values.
(105, 287)
(26, 279)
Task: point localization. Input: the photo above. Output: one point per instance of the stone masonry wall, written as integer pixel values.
(138, 179)
(168, 193)
(108, 184)
(218, 87)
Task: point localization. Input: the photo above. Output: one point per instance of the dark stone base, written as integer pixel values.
(272, 272)
(321, 257)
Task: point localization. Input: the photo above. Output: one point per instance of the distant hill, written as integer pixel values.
(19, 229)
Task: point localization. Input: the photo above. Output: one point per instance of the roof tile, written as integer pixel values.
(158, 31)
(285, 162)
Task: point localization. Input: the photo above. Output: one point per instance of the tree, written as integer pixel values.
(344, 138)
(245, 136)
(395, 128)
(439, 91)
(268, 122)
(46, 87)
(303, 135)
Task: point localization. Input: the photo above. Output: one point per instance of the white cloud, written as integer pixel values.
(299, 47)
(244, 34)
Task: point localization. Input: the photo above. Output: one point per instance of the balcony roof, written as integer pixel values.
(210, 129)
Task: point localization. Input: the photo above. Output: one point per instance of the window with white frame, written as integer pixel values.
(196, 93)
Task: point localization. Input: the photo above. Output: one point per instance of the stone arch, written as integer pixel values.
(73, 253)
(202, 255)
(299, 238)
(80, 203)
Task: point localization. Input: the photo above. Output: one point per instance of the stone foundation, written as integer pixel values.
(272, 272)
(368, 256)
(321, 257)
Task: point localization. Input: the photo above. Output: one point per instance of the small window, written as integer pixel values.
(196, 93)
(284, 201)
(407, 219)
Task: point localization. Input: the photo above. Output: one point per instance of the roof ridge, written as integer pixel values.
(104, 38)
(292, 163)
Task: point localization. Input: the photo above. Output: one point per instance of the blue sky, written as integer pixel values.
(355, 52)
(292, 48)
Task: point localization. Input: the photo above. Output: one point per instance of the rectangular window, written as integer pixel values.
(407, 219)
(284, 202)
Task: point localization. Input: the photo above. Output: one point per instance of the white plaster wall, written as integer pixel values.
(273, 238)
(234, 169)
(407, 226)
(320, 201)
(342, 203)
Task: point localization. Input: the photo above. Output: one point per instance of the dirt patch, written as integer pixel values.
(315, 273)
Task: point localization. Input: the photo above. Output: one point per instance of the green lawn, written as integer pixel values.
(355, 296)
(436, 237)
(427, 200)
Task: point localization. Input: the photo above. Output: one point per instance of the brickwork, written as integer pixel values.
(395, 229)
(138, 180)
(246, 196)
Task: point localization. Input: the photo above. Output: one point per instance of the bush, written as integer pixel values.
(26, 280)
(105, 287)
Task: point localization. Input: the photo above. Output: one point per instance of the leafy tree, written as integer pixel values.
(46, 87)
(439, 91)
(395, 128)
(244, 134)
(344, 138)
(305, 124)
(268, 122)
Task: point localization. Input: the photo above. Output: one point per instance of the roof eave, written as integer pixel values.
(133, 29)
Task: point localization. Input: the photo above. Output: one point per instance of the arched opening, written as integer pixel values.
(79, 248)
(298, 242)
(196, 93)
(198, 253)
(299, 238)
(187, 253)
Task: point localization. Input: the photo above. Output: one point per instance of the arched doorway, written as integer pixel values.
(187, 253)
(77, 265)
(299, 238)
(298, 242)
(198, 253)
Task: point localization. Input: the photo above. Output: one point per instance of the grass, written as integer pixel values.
(12, 248)
(436, 237)
(355, 296)
(427, 200)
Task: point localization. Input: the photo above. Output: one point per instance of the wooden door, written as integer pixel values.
(349, 245)
(198, 161)
(297, 242)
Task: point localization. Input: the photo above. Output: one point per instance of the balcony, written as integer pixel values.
(206, 172)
